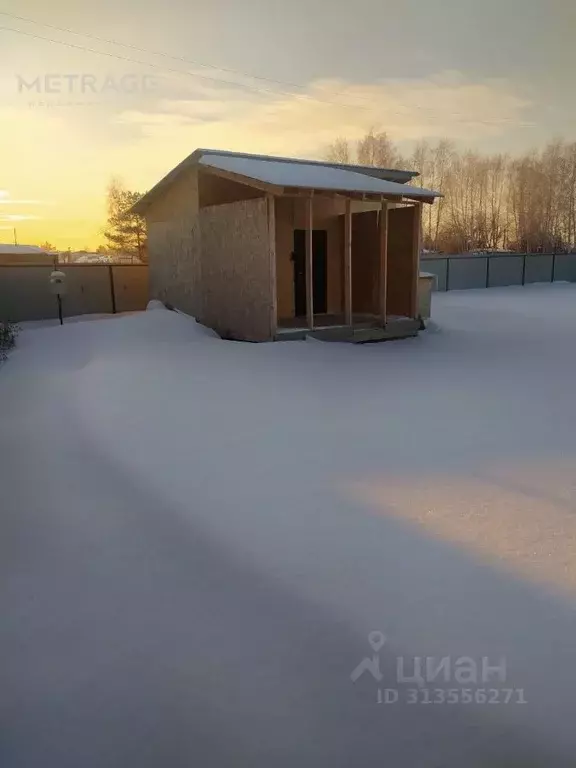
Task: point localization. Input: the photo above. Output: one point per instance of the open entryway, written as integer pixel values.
(346, 268)
(319, 271)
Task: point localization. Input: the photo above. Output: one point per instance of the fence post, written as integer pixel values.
(487, 271)
(524, 269)
(554, 266)
(447, 273)
(112, 289)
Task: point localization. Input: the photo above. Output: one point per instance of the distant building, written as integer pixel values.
(124, 258)
(88, 257)
(85, 257)
(25, 254)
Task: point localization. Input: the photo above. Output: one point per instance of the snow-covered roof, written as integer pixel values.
(390, 174)
(294, 172)
(20, 249)
(304, 175)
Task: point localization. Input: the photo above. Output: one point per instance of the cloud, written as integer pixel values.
(447, 105)
(6, 199)
(24, 202)
(9, 218)
(69, 155)
(17, 217)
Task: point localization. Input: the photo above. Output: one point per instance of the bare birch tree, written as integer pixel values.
(527, 202)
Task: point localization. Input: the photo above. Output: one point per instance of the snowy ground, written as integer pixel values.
(198, 537)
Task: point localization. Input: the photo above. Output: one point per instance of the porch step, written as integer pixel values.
(397, 328)
(337, 333)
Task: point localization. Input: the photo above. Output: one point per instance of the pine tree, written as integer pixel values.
(125, 231)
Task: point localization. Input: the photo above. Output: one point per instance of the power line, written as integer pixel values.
(183, 59)
(235, 84)
(130, 59)
(203, 65)
(157, 53)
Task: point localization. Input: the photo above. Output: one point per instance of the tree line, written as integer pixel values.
(490, 201)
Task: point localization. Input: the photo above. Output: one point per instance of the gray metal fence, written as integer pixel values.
(90, 289)
(481, 270)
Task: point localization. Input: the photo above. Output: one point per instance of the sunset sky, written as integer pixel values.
(267, 76)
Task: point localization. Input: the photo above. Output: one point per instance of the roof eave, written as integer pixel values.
(193, 159)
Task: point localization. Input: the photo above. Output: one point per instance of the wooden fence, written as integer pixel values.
(90, 289)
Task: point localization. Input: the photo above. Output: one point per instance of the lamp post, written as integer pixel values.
(58, 287)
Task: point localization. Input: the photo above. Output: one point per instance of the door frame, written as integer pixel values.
(319, 271)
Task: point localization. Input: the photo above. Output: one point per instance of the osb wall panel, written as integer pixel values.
(365, 262)
(291, 214)
(178, 200)
(174, 246)
(214, 190)
(401, 272)
(236, 270)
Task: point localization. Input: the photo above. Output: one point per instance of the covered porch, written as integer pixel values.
(346, 266)
(292, 248)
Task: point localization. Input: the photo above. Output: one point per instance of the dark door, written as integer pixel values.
(319, 271)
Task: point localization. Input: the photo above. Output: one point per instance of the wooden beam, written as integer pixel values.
(428, 200)
(374, 197)
(416, 247)
(296, 192)
(348, 263)
(383, 260)
(270, 204)
(310, 262)
(240, 179)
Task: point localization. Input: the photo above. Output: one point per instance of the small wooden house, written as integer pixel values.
(264, 248)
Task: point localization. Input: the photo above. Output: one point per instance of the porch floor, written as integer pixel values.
(365, 328)
(328, 321)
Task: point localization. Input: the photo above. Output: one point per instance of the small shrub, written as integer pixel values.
(8, 333)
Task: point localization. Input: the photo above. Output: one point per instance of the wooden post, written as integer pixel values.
(310, 263)
(524, 270)
(383, 260)
(417, 245)
(348, 263)
(270, 203)
(112, 288)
